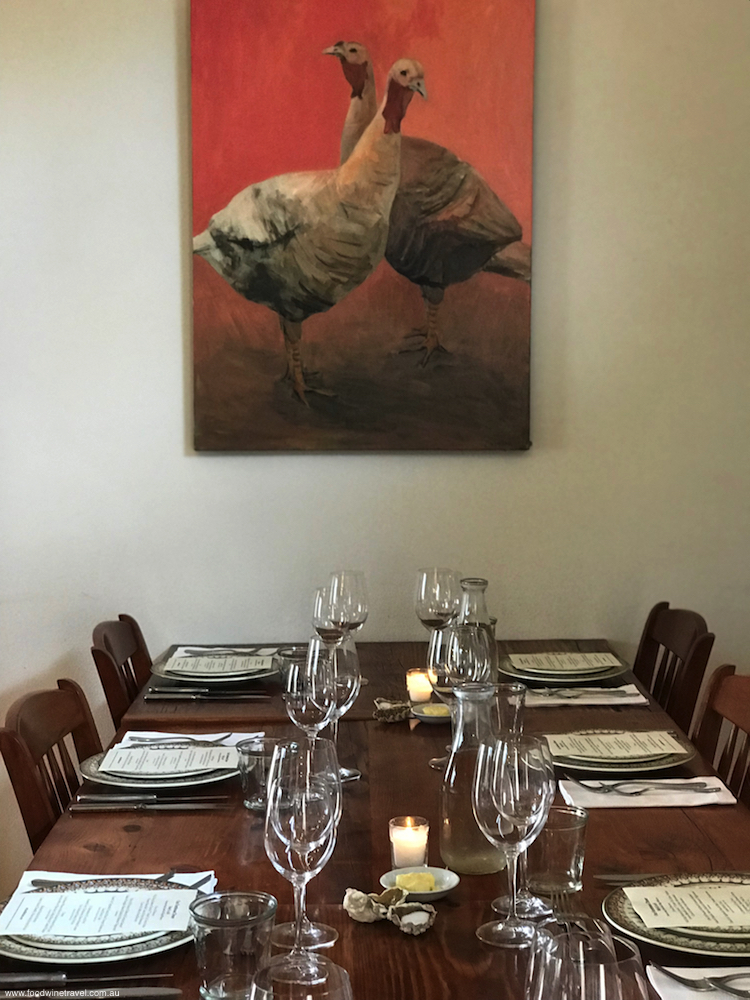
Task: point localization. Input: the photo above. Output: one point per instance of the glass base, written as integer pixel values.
(349, 774)
(507, 933)
(438, 763)
(527, 905)
(313, 936)
(298, 967)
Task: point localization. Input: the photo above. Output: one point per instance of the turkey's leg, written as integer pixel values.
(430, 343)
(294, 370)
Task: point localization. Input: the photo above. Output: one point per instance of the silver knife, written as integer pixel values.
(624, 878)
(115, 797)
(54, 978)
(197, 689)
(83, 807)
(181, 696)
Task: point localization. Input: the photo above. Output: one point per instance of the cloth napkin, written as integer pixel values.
(585, 696)
(184, 878)
(229, 741)
(575, 795)
(668, 989)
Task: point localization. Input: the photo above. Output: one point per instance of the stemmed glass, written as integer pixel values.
(511, 796)
(310, 696)
(438, 596)
(299, 837)
(348, 681)
(347, 594)
(457, 654)
(319, 759)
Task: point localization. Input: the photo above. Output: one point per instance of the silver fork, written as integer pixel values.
(573, 693)
(620, 787)
(708, 984)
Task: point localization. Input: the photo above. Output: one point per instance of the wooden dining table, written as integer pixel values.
(447, 961)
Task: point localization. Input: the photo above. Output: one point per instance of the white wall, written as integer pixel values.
(637, 485)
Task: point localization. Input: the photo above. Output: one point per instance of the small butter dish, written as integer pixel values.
(445, 880)
(431, 712)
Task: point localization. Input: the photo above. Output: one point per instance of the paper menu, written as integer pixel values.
(218, 666)
(93, 913)
(697, 904)
(564, 663)
(164, 760)
(614, 746)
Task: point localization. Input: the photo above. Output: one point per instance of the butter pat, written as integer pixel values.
(416, 882)
(436, 710)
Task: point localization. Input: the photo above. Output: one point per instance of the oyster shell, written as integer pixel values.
(369, 907)
(391, 711)
(412, 918)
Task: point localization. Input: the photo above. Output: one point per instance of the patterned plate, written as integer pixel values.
(729, 943)
(629, 766)
(560, 679)
(90, 771)
(69, 950)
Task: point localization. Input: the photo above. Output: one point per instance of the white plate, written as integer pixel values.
(445, 880)
(418, 712)
(731, 943)
(90, 771)
(629, 765)
(185, 676)
(60, 950)
(560, 678)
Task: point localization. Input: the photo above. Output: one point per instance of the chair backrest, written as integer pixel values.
(122, 661)
(671, 659)
(39, 764)
(724, 729)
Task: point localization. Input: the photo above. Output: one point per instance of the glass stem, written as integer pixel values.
(512, 880)
(335, 730)
(300, 892)
(523, 868)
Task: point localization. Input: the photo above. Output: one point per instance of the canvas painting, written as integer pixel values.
(361, 224)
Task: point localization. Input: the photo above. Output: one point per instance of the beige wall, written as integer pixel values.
(636, 488)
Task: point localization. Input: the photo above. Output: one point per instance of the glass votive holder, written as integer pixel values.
(408, 836)
(418, 685)
(255, 757)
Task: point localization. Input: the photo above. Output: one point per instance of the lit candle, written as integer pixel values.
(408, 835)
(418, 685)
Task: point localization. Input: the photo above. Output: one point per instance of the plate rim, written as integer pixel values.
(507, 669)
(724, 948)
(91, 764)
(610, 767)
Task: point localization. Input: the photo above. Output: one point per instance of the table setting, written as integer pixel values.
(429, 867)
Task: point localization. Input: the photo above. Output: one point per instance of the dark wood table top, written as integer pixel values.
(383, 664)
(447, 962)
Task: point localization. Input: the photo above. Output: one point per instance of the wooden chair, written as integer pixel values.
(671, 659)
(122, 662)
(39, 764)
(724, 729)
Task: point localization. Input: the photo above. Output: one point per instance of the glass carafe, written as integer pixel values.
(474, 612)
(463, 846)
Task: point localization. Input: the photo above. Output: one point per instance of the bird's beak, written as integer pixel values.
(334, 50)
(419, 87)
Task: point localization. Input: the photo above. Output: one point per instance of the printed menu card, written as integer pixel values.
(699, 904)
(614, 746)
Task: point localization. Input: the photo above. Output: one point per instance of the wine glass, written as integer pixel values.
(270, 982)
(347, 592)
(458, 654)
(438, 596)
(299, 837)
(511, 796)
(348, 681)
(310, 696)
(330, 632)
(317, 758)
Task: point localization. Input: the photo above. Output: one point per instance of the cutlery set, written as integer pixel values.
(709, 984)
(636, 786)
(172, 695)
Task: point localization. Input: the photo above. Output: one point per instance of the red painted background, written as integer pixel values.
(266, 101)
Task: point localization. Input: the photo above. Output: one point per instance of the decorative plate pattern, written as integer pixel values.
(630, 766)
(61, 950)
(90, 771)
(734, 943)
(190, 677)
(561, 679)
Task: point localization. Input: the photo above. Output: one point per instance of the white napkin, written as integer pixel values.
(668, 989)
(228, 741)
(183, 878)
(630, 695)
(575, 795)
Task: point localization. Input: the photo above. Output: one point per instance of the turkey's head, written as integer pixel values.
(355, 62)
(405, 79)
